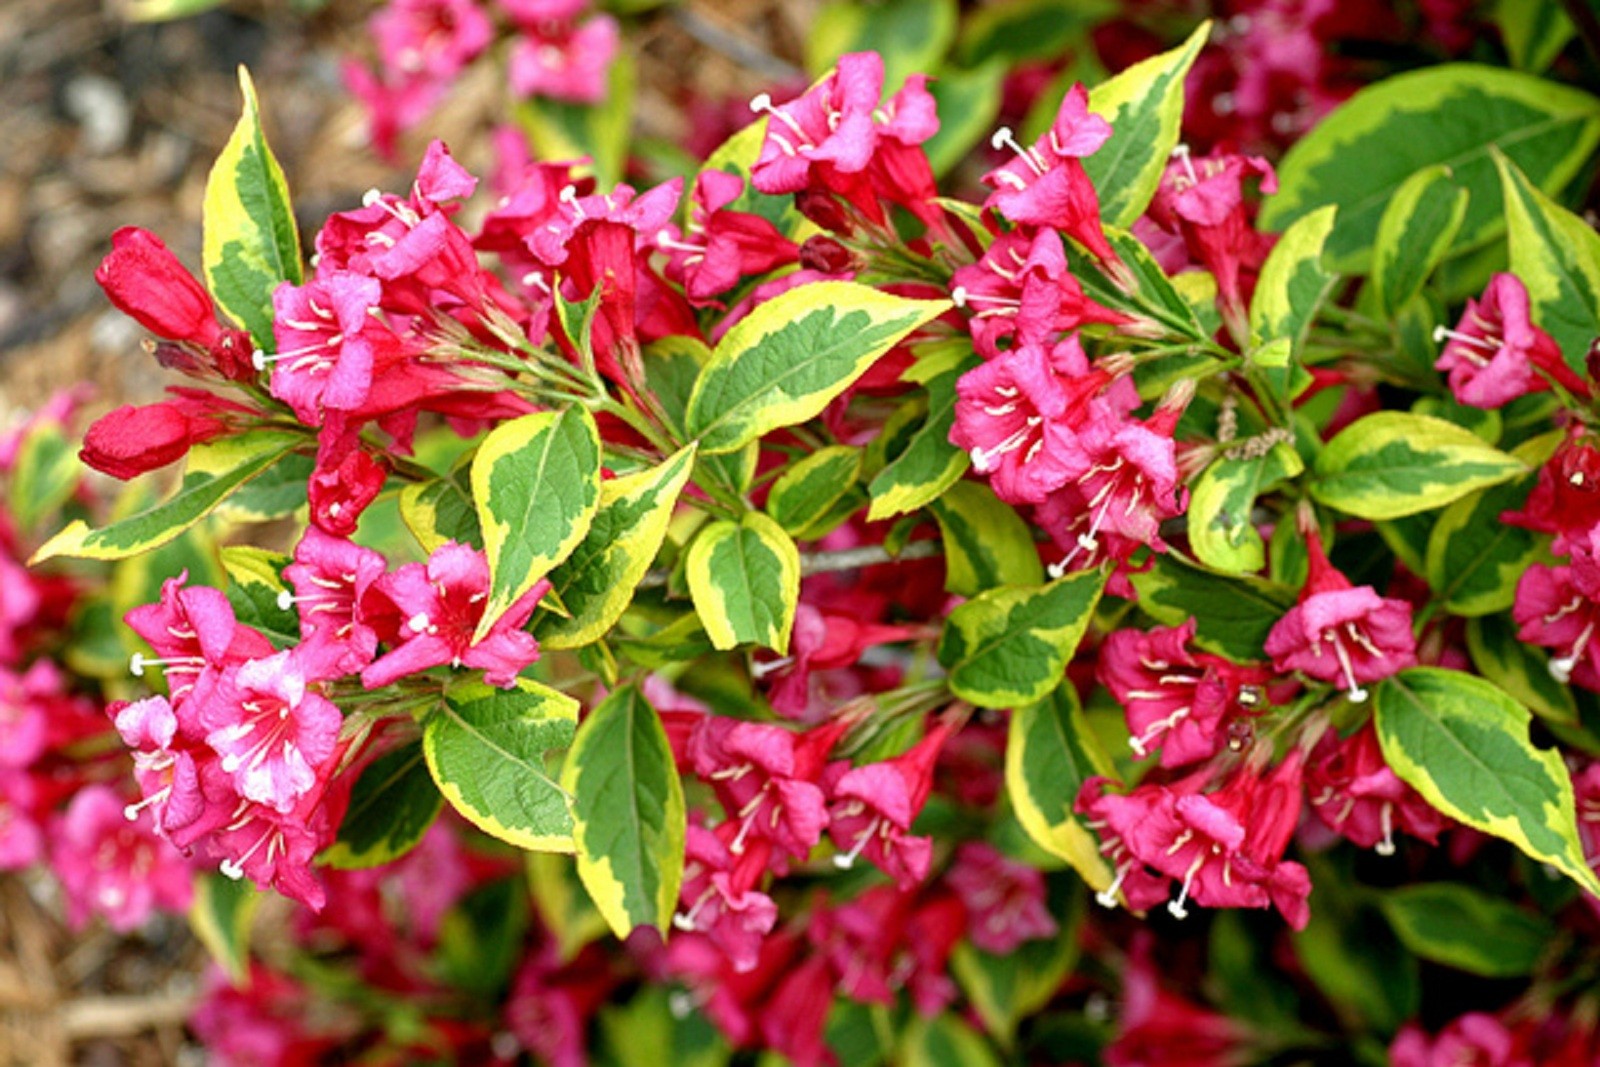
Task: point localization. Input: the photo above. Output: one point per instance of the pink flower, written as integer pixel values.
(1018, 416)
(1202, 201)
(1021, 289)
(114, 867)
(195, 635)
(331, 576)
(1046, 185)
(553, 1003)
(1157, 1027)
(1128, 488)
(563, 63)
(437, 607)
(1559, 608)
(1473, 1038)
(430, 38)
(1225, 847)
(722, 246)
(1341, 634)
(1565, 500)
(274, 848)
(26, 701)
(326, 334)
(262, 1023)
(796, 1015)
(1004, 899)
(22, 838)
(1352, 789)
(719, 898)
(1496, 354)
(273, 730)
(766, 778)
(874, 805)
(1177, 700)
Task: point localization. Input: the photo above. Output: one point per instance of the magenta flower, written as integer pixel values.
(1352, 789)
(1341, 634)
(1016, 415)
(1004, 899)
(274, 848)
(22, 839)
(1046, 185)
(331, 577)
(873, 806)
(345, 479)
(25, 713)
(131, 440)
(795, 1020)
(195, 634)
(831, 123)
(1021, 289)
(1157, 1026)
(430, 38)
(722, 246)
(1559, 608)
(719, 898)
(1177, 701)
(565, 63)
(325, 336)
(1202, 201)
(766, 778)
(1565, 501)
(439, 605)
(1496, 354)
(273, 731)
(146, 282)
(1469, 1039)
(111, 866)
(1128, 488)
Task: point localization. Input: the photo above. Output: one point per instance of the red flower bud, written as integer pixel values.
(131, 440)
(145, 281)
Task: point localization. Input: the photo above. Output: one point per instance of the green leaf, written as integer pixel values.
(486, 751)
(392, 805)
(967, 102)
(745, 580)
(1050, 753)
(1010, 646)
(810, 487)
(1535, 31)
(214, 471)
(943, 1042)
(1463, 744)
(1144, 105)
(1474, 560)
(255, 582)
(1292, 286)
(1415, 233)
(597, 581)
(536, 485)
(671, 366)
(986, 543)
(1557, 256)
(442, 510)
(250, 243)
(1354, 958)
(629, 818)
(163, 10)
(43, 476)
(912, 36)
(1006, 989)
(562, 903)
(1017, 30)
(598, 132)
(1233, 615)
(1467, 929)
(1393, 463)
(1453, 114)
(278, 493)
(788, 358)
(929, 464)
(1521, 669)
(1222, 529)
(220, 917)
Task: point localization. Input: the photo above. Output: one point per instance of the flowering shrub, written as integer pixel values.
(860, 582)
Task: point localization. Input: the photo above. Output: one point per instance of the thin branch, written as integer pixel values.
(843, 559)
(87, 1017)
(734, 46)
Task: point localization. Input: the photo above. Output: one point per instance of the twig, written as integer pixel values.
(87, 1017)
(1583, 16)
(734, 46)
(842, 559)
